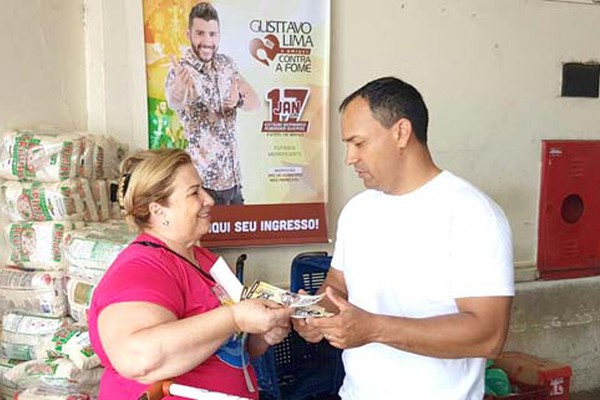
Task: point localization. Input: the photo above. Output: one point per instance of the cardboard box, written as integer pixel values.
(533, 370)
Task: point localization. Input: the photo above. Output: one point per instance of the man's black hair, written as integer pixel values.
(391, 99)
(203, 10)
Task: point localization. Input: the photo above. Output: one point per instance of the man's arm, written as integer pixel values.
(179, 85)
(248, 94)
(479, 328)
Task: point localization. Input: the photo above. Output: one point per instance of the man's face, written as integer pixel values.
(371, 148)
(204, 38)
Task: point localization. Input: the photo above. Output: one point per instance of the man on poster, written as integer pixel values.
(206, 89)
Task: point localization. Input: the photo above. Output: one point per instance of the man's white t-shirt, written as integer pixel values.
(412, 256)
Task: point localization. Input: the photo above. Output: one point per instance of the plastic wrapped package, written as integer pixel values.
(40, 293)
(72, 342)
(24, 335)
(101, 195)
(79, 295)
(49, 394)
(58, 375)
(37, 245)
(86, 161)
(81, 274)
(95, 246)
(38, 201)
(115, 210)
(39, 155)
(7, 388)
(101, 192)
(3, 206)
(102, 156)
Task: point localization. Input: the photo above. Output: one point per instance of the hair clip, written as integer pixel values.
(122, 189)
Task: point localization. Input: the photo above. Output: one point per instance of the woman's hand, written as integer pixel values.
(260, 316)
(277, 334)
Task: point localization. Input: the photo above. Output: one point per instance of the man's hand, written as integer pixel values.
(181, 86)
(307, 332)
(348, 329)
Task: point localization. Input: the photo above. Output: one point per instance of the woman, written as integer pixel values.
(157, 314)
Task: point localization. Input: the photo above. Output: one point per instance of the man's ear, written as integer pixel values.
(402, 132)
(189, 35)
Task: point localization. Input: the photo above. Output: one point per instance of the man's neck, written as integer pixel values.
(418, 169)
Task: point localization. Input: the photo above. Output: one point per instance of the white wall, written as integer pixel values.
(490, 72)
(115, 35)
(41, 67)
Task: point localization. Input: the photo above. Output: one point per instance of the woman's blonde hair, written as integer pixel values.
(147, 177)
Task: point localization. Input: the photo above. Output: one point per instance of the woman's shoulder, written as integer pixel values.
(144, 251)
(205, 257)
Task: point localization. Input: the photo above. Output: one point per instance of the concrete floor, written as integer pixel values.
(588, 395)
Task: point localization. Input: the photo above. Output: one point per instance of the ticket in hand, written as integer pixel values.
(312, 311)
(263, 290)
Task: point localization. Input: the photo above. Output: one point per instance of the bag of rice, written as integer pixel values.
(79, 295)
(37, 201)
(37, 245)
(95, 246)
(115, 209)
(72, 342)
(33, 292)
(7, 388)
(55, 374)
(92, 276)
(23, 335)
(39, 155)
(102, 156)
(49, 394)
(101, 194)
(3, 205)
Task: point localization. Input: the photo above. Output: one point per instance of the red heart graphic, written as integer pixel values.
(269, 45)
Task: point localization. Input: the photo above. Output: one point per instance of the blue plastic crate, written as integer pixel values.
(300, 369)
(309, 271)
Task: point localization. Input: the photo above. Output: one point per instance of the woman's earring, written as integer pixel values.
(165, 223)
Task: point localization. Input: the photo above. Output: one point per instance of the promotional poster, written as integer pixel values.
(243, 86)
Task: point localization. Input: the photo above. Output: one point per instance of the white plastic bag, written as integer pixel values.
(50, 394)
(72, 342)
(79, 295)
(58, 374)
(39, 155)
(37, 245)
(95, 246)
(41, 201)
(23, 335)
(40, 293)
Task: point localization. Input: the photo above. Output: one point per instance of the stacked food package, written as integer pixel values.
(62, 235)
(88, 252)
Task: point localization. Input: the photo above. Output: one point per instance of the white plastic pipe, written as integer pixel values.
(189, 392)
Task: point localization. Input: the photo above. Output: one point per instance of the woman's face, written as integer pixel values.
(188, 208)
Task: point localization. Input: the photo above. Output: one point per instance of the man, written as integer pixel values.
(422, 275)
(206, 89)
